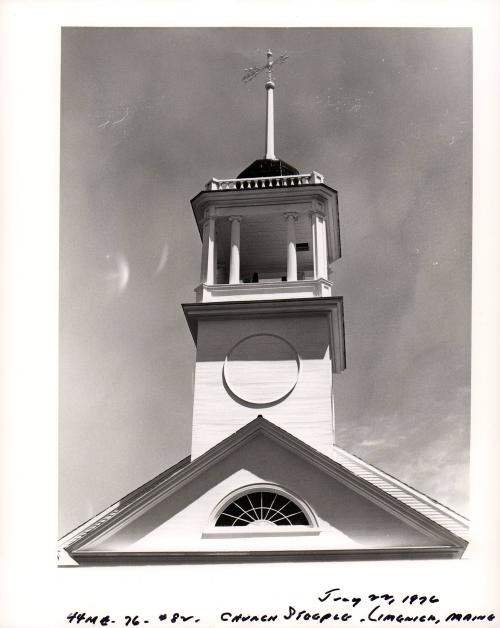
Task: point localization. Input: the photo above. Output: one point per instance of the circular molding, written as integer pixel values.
(261, 369)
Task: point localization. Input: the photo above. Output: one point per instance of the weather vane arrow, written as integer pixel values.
(251, 73)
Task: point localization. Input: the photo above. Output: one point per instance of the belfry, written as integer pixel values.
(265, 479)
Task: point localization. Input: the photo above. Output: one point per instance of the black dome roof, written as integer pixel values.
(267, 168)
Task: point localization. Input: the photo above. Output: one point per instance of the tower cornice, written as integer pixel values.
(332, 307)
(249, 197)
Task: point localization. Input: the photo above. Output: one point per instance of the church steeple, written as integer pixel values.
(268, 330)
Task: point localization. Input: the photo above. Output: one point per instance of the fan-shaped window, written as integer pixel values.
(262, 509)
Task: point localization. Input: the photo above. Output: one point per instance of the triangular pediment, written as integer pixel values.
(356, 510)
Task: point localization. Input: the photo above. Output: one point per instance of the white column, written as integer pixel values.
(291, 247)
(208, 251)
(214, 260)
(234, 263)
(319, 244)
(324, 248)
(315, 245)
(270, 120)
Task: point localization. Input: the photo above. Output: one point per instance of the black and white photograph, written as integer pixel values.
(265, 293)
(250, 313)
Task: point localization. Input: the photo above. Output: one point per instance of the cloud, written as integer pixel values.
(377, 442)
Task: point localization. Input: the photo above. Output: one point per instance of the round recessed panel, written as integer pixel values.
(261, 369)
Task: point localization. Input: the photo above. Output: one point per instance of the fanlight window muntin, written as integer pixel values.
(261, 508)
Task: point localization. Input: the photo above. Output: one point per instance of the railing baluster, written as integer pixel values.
(264, 182)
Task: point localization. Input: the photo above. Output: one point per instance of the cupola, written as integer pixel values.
(269, 233)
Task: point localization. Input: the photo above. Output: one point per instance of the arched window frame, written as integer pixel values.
(213, 531)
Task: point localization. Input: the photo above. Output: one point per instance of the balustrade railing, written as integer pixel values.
(294, 180)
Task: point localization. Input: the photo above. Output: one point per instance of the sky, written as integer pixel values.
(147, 117)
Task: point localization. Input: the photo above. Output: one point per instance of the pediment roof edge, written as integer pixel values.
(406, 503)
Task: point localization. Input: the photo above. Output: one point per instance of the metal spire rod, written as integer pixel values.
(251, 73)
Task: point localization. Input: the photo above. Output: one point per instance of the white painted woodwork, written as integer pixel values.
(320, 256)
(214, 257)
(270, 120)
(208, 258)
(263, 290)
(263, 246)
(182, 522)
(234, 263)
(174, 515)
(261, 369)
(324, 247)
(291, 260)
(306, 413)
(267, 246)
(251, 183)
(331, 308)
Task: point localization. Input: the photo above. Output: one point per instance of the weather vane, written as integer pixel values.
(251, 73)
